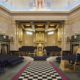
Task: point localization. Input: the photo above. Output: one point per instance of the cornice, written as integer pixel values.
(5, 9)
(75, 9)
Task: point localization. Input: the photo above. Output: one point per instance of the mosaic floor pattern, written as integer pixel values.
(40, 70)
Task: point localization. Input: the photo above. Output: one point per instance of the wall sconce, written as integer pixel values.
(75, 36)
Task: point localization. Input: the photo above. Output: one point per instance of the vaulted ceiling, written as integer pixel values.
(49, 5)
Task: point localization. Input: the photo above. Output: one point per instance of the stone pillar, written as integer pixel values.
(66, 34)
(12, 32)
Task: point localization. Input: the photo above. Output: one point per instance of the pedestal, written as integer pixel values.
(64, 65)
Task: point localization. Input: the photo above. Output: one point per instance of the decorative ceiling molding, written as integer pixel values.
(40, 5)
(39, 11)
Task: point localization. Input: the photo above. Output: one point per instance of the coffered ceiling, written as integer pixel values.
(44, 26)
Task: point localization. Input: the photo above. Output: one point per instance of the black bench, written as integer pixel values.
(52, 50)
(8, 60)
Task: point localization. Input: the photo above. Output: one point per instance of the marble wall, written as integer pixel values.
(8, 24)
(5, 22)
(71, 27)
(28, 40)
(74, 21)
(51, 40)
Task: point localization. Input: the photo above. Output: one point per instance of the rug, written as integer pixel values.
(40, 70)
(59, 72)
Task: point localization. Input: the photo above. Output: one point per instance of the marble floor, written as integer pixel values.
(12, 71)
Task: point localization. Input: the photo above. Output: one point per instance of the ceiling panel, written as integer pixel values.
(30, 5)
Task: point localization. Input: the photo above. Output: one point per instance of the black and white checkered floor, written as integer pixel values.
(40, 70)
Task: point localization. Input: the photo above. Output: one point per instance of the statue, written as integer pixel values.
(39, 3)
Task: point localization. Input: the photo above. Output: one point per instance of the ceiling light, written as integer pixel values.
(30, 29)
(50, 33)
(49, 29)
(52, 24)
(29, 33)
(27, 25)
(40, 25)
